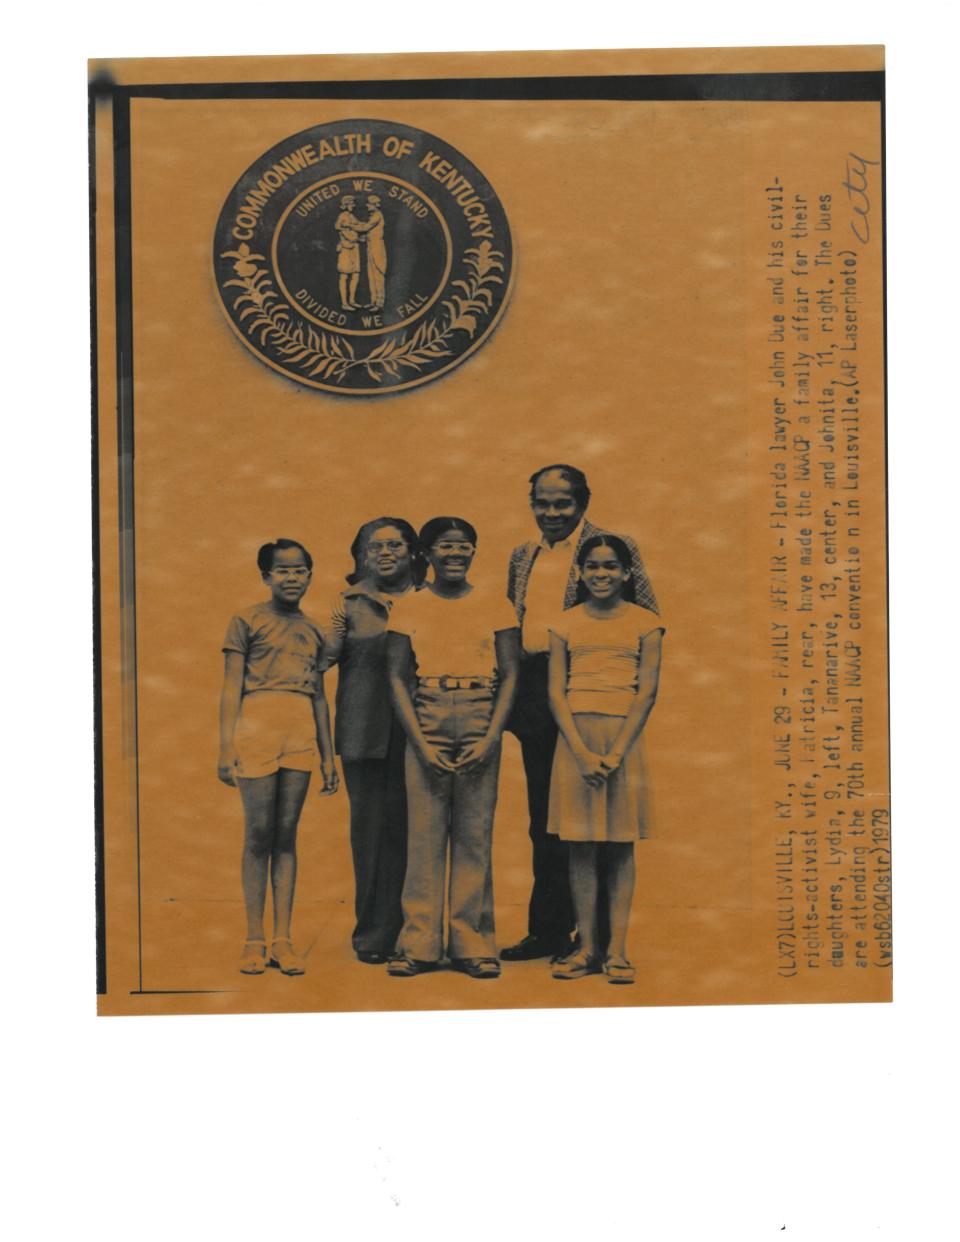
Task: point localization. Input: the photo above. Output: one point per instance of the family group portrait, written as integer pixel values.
(560, 646)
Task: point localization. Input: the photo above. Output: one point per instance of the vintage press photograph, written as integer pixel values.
(491, 545)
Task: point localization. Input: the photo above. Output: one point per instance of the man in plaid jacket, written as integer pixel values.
(541, 581)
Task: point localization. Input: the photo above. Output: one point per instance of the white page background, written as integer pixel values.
(812, 1123)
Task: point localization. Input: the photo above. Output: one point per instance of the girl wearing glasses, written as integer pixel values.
(367, 735)
(452, 656)
(273, 719)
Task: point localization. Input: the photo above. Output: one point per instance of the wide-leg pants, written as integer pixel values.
(450, 813)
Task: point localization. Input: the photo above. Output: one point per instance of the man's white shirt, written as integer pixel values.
(546, 586)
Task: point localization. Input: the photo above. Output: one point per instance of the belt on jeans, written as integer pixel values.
(446, 682)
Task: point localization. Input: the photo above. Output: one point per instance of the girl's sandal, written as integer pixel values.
(289, 963)
(576, 966)
(253, 961)
(619, 970)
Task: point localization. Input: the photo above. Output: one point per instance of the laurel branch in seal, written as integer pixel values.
(329, 357)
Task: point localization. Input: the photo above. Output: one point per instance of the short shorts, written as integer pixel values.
(276, 730)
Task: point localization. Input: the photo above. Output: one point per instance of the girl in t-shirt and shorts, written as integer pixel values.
(273, 719)
(604, 671)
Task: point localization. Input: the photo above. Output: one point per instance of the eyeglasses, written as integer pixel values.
(388, 545)
(463, 548)
(291, 571)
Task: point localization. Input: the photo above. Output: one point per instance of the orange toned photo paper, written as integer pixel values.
(491, 530)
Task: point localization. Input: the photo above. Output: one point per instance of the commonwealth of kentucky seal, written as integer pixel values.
(363, 257)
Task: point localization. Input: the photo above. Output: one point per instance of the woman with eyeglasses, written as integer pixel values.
(453, 650)
(367, 734)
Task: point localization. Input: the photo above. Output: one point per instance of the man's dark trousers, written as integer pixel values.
(551, 916)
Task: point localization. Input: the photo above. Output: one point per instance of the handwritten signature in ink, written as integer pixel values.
(856, 188)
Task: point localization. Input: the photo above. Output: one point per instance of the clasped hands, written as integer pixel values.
(595, 769)
(473, 756)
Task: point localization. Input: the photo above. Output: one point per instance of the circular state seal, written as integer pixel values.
(363, 257)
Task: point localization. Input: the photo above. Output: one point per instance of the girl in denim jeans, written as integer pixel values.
(452, 657)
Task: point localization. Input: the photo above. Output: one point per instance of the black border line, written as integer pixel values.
(822, 87)
(100, 891)
(123, 241)
(184, 992)
(835, 86)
